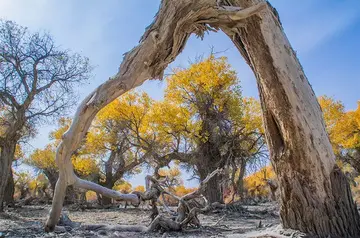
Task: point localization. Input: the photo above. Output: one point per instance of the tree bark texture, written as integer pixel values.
(6, 158)
(315, 196)
(10, 190)
(213, 189)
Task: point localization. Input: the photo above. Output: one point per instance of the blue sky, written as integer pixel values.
(324, 33)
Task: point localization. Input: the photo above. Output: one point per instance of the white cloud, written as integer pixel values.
(315, 24)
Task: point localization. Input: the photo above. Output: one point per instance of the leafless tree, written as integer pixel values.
(37, 82)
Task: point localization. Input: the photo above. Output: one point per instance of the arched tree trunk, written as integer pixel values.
(315, 196)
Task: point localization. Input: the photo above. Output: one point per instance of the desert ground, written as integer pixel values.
(260, 220)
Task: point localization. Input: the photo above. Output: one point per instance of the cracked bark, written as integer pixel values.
(315, 196)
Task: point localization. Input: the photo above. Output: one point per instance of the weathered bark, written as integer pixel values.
(70, 195)
(6, 157)
(273, 188)
(10, 190)
(240, 182)
(213, 190)
(315, 197)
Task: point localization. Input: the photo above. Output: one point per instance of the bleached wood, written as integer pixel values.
(84, 184)
(315, 196)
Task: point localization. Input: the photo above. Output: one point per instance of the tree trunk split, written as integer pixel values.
(315, 197)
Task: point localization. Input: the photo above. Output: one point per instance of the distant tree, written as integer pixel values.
(37, 82)
(256, 184)
(39, 187)
(22, 183)
(171, 177)
(343, 128)
(118, 138)
(44, 159)
(171, 180)
(210, 123)
(123, 186)
(139, 188)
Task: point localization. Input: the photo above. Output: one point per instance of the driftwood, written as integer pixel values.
(186, 214)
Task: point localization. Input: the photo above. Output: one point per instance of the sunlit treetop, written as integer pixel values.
(209, 81)
(343, 126)
(252, 115)
(45, 159)
(124, 117)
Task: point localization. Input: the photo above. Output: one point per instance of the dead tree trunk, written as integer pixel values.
(315, 196)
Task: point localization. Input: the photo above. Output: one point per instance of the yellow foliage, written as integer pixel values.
(123, 187)
(252, 115)
(181, 190)
(85, 166)
(139, 188)
(33, 184)
(18, 152)
(343, 127)
(206, 90)
(44, 158)
(128, 115)
(209, 81)
(170, 173)
(169, 118)
(64, 124)
(91, 196)
(256, 184)
(210, 76)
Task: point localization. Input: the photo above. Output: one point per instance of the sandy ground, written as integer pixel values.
(254, 221)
